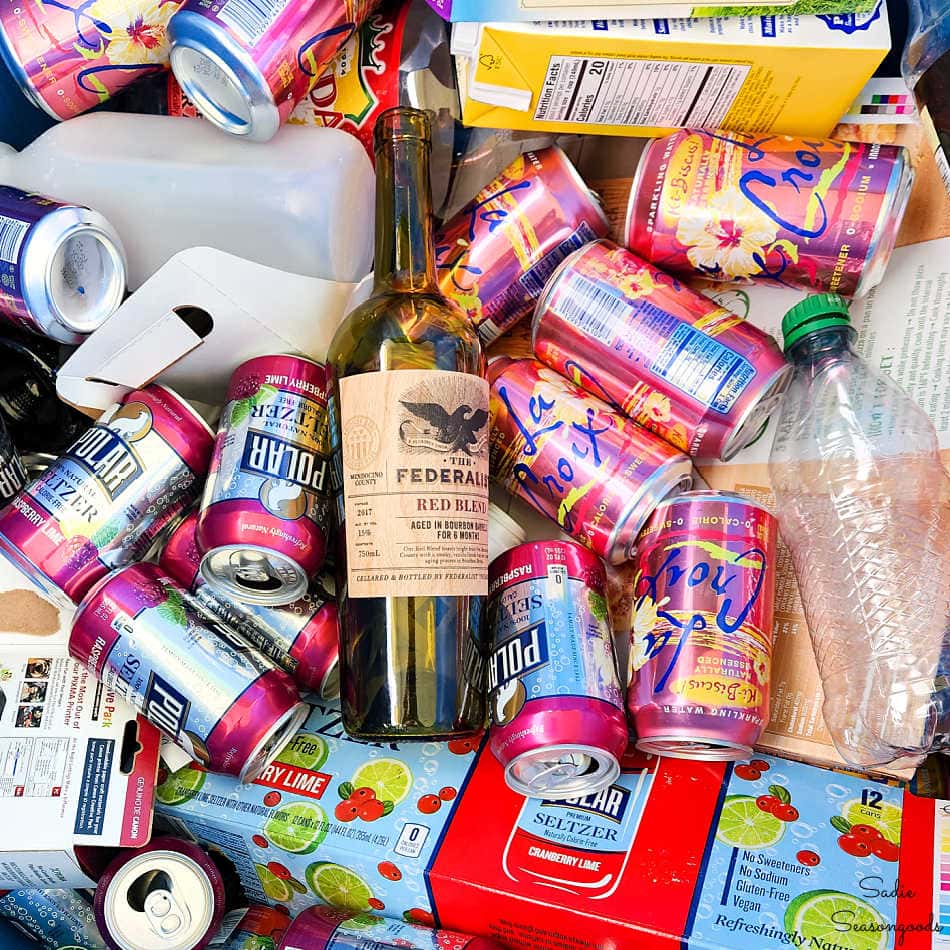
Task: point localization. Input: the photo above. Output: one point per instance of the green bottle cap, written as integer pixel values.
(816, 312)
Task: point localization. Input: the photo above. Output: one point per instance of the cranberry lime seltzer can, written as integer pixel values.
(113, 495)
(496, 254)
(558, 724)
(222, 701)
(669, 358)
(168, 895)
(264, 516)
(62, 266)
(701, 647)
(301, 638)
(245, 64)
(576, 459)
(810, 213)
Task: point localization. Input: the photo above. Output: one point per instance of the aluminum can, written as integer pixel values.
(558, 724)
(495, 256)
(57, 917)
(811, 213)
(121, 485)
(676, 363)
(168, 895)
(260, 929)
(301, 638)
(576, 459)
(265, 513)
(222, 701)
(12, 473)
(326, 928)
(69, 58)
(62, 266)
(245, 64)
(701, 647)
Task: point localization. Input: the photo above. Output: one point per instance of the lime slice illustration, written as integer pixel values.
(884, 816)
(835, 919)
(390, 779)
(338, 886)
(180, 786)
(742, 824)
(305, 751)
(274, 888)
(297, 827)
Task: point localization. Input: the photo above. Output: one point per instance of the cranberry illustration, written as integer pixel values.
(362, 794)
(281, 909)
(786, 813)
(260, 841)
(867, 831)
(447, 793)
(278, 870)
(271, 799)
(760, 764)
(371, 810)
(855, 846)
(376, 903)
(747, 773)
(885, 850)
(416, 915)
(429, 804)
(346, 811)
(768, 803)
(389, 871)
(463, 746)
(808, 858)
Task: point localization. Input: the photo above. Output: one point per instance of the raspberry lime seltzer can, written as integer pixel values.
(576, 459)
(669, 358)
(245, 64)
(222, 701)
(496, 254)
(69, 57)
(701, 646)
(263, 524)
(811, 213)
(301, 638)
(114, 493)
(168, 895)
(558, 724)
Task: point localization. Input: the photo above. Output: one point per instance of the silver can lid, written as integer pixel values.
(330, 687)
(274, 741)
(562, 771)
(254, 575)
(703, 748)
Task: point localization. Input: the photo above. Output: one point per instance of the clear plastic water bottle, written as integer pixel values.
(862, 501)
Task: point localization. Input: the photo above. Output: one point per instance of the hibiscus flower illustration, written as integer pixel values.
(637, 284)
(657, 407)
(644, 623)
(137, 34)
(725, 234)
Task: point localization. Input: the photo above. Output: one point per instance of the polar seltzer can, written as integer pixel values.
(669, 358)
(810, 213)
(264, 516)
(62, 266)
(223, 702)
(56, 917)
(245, 64)
(576, 459)
(116, 491)
(495, 256)
(558, 724)
(168, 895)
(301, 638)
(701, 648)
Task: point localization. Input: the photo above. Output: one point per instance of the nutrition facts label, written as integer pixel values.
(32, 768)
(638, 92)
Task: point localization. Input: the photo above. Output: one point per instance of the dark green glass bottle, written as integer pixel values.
(411, 453)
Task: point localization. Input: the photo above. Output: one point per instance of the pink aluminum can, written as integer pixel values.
(326, 928)
(245, 64)
(811, 213)
(301, 638)
(222, 701)
(701, 647)
(495, 256)
(262, 529)
(70, 57)
(558, 724)
(669, 358)
(577, 460)
(118, 489)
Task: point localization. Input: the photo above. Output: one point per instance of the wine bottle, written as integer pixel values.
(411, 457)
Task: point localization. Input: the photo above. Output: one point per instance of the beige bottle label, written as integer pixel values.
(415, 483)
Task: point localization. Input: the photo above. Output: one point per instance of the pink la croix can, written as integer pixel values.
(118, 489)
(71, 56)
(676, 363)
(495, 256)
(701, 646)
(811, 213)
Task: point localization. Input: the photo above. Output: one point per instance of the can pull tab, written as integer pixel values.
(252, 570)
(165, 915)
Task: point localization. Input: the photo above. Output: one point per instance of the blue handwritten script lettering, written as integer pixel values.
(720, 581)
(344, 29)
(79, 15)
(82, 78)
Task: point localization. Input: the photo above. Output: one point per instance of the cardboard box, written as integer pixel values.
(782, 74)
(77, 768)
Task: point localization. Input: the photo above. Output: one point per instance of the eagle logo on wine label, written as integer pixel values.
(442, 421)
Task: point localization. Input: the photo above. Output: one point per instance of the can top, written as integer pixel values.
(254, 575)
(558, 772)
(711, 494)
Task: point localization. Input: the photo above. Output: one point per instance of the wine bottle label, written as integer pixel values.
(415, 483)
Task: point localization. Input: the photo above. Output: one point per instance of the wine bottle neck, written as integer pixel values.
(405, 253)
